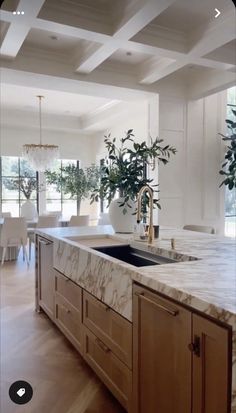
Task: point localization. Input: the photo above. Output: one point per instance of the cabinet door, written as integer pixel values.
(114, 330)
(115, 374)
(46, 276)
(211, 384)
(68, 319)
(162, 360)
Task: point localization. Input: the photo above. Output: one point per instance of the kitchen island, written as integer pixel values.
(202, 280)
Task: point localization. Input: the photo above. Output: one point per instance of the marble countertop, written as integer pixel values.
(204, 278)
(208, 282)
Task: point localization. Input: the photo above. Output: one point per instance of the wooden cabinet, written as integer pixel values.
(114, 330)
(107, 347)
(115, 374)
(45, 276)
(211, 389)
(180, 360)
(68, 309)
(162, 361)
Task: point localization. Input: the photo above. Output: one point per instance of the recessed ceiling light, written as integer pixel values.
(53, 37)
(128, 54)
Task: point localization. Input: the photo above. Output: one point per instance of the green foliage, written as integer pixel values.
(26, 183)
(123, 171)
(76, 182)
(229, 165)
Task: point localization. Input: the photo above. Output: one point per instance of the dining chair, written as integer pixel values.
(200, 228)
(54, 213)
(44, 221)
(5, 215)
(14, 234)
(78, 221)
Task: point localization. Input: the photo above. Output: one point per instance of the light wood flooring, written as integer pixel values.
(32, 349)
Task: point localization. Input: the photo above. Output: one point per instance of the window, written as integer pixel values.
(230, 196)
(59, 201)
(18, 182)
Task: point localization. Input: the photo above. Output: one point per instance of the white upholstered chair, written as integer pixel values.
(200, 228)
(54, 213)
(44, 221)
(78, 221)
(5, 215)
(47, 221)
(14, 234)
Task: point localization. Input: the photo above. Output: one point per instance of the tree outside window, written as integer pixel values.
(19, 182)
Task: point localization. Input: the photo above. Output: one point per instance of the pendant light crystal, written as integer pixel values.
(40, 156)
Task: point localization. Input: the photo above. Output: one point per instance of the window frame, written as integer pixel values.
(18, 176)
(62, 198)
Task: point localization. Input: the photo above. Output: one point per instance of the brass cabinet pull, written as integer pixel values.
(174, 313)
(195, 347)
(66, 309)
(102, 345)
(103, 306)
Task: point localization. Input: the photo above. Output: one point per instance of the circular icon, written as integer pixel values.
(20, 392)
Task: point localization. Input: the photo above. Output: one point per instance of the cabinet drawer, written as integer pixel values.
(69, 320)
(69, 290)
(115, 374)
(114, 330)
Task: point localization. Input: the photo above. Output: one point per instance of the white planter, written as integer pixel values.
(121, 222)
(28, 210)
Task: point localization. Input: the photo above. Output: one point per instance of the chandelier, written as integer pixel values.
(40, 156)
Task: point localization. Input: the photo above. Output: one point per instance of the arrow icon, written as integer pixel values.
(217, 13)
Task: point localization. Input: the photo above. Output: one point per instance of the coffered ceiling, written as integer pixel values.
(117, 49)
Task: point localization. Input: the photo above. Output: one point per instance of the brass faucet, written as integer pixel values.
(144, 189)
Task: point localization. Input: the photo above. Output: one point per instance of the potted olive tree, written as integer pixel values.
(74, 181)
(124, 173)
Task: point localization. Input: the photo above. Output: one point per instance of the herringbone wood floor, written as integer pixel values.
(32, 349)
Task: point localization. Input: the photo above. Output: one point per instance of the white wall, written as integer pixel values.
(189, 185)
(71, 145)
(172, 175)
(136, 118)
(205, 152)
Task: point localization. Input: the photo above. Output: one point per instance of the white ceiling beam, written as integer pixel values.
(90, 61)
(57, 28)
(16, 34)
(204, 43)
(143, 12)
(62, 29)
(213, 64)
(216, 35)
(140, 15)
(149, 69)
(158, 73)
(209, 82)
(106, 111)
(24, 77)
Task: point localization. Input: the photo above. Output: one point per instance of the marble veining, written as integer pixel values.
(204, 278)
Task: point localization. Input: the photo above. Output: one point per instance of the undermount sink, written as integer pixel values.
(134, 256)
